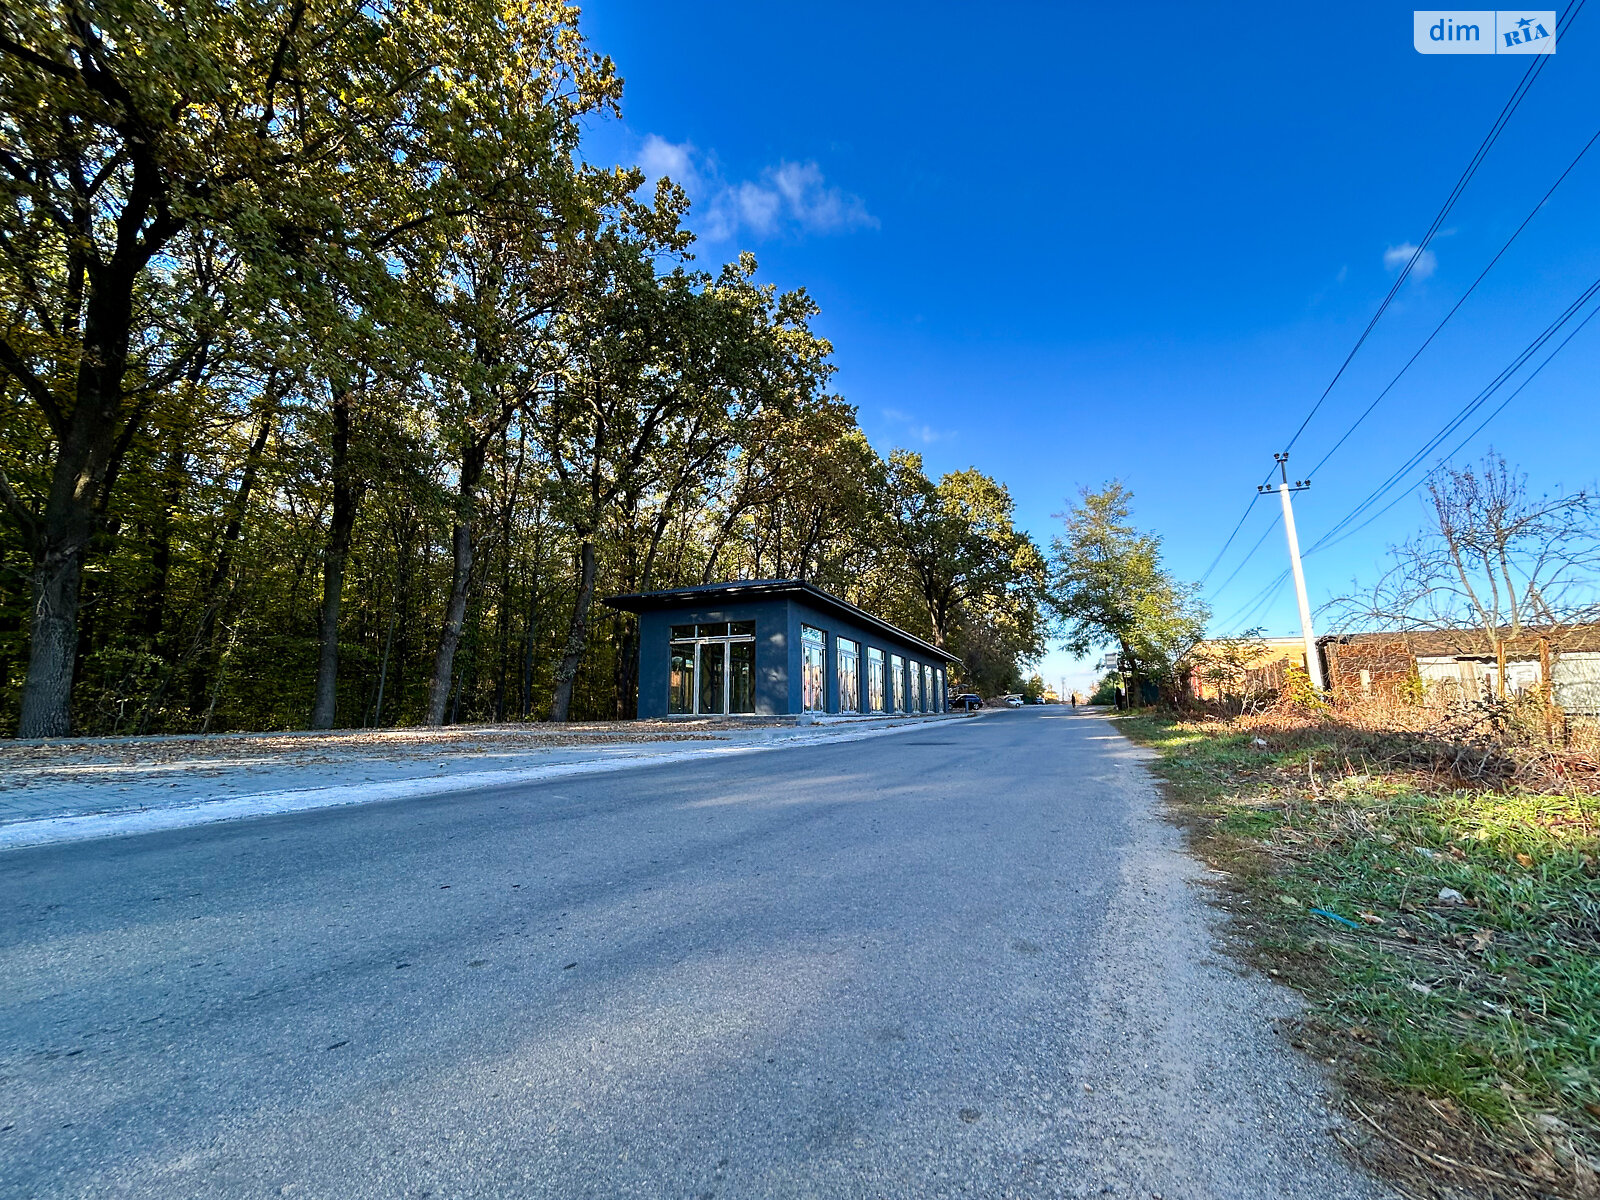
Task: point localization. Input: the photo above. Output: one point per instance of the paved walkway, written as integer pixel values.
(68, 791)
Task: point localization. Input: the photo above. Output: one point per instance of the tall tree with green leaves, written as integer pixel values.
(961, 546)
(128, 128)
(1109, 588)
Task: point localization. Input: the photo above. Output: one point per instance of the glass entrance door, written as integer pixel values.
(713, 677)
(713, 669)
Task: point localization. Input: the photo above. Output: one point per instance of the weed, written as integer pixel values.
(1471, 978)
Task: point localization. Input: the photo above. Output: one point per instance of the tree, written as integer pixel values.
(958, 541)
(1232, 665)
(1493, 562)
(1110, 589)
(647, 359)
(131, 132)
(353, 383)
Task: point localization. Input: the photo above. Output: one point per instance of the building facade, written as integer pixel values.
(777, 647)
(1457, 664)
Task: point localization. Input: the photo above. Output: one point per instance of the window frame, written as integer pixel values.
(876, 674)
(853, 654)
(813, 638)
(726, 641)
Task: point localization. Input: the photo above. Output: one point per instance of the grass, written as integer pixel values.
(1447, 939)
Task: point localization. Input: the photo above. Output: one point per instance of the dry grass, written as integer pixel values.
(1441, 912)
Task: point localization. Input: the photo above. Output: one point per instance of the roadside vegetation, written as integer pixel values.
(1429, 882)
(338, 382)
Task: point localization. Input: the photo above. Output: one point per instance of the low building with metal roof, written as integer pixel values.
(777, 647)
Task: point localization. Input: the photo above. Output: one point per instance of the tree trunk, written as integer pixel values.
(577, 633)
(91, 441)
(53, 640)
(460, 586)
(341, 528)
(455, 614)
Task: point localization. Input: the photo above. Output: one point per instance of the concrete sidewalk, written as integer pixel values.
(73, 791)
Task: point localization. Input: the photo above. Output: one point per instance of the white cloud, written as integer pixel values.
(919, 430)
(1396, 257)
(789, 197)
(658, 157)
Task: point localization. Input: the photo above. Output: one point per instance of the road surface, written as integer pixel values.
(967, 960)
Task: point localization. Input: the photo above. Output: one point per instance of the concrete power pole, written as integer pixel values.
(1313, 663)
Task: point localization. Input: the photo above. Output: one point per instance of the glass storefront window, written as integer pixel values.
(742, 676)
(897, 683)
(712, 676)
(713, 670)
(849, 675)
(680, 687)
(813, 677)
(874, 679)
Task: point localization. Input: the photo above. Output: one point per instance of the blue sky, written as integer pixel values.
(1067, 243)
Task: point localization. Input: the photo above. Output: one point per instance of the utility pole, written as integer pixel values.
(1313, 663)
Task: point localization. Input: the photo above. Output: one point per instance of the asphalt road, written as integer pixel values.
(966, 960)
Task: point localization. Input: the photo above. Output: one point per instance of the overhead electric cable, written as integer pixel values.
(1366, 412)
(1507, 111)
(1256, 602)
(1472, 406)
(1249, 554)
(1243, 517)
(1323, 543)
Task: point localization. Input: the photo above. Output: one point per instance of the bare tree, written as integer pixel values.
(1494, 563)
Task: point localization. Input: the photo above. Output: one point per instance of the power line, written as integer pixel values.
(1256, 602)
(1508, 110)
(1333, 536)
(1472, 406)
(1223, 586)
(1354, 425)
(1324, 544)
(1243, 517)
(1518, 93)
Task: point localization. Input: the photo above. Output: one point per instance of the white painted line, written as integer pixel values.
(47, 831)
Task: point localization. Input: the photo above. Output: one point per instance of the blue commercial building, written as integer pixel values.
(771, 647)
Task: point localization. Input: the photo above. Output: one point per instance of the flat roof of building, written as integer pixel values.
(745, 590)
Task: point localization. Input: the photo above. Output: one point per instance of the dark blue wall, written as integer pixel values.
(772, 652)
(778, 624)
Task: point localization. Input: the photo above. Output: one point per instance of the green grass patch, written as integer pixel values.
(1472, 971)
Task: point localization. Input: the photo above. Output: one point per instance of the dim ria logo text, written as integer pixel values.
(1470, 31)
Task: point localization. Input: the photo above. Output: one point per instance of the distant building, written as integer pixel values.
(1448, 664)
(775, 647)
(1462, 663)
(1241, 667)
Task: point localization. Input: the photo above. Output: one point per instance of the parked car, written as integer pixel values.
(1014, 702)
(967, 700)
